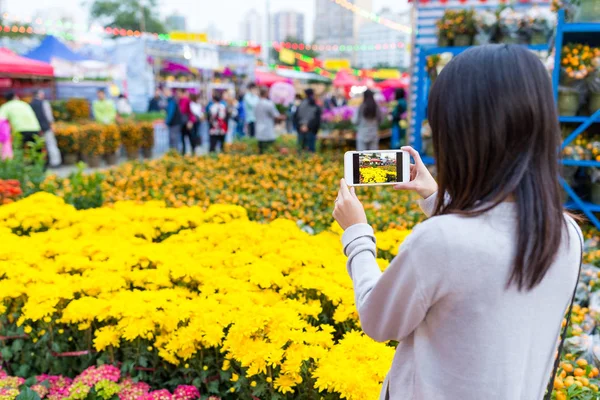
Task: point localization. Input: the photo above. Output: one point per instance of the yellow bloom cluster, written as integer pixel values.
(377, 175)
(270, 298)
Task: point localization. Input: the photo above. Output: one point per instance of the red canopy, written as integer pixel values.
(263, 78)
(12, 64)
(393, 84)
(344, 79)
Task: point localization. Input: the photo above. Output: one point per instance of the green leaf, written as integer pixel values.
(27, 394)
(213, 387)
(143, 362)
(6, 353)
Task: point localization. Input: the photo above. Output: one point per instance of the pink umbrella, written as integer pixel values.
(345, 80)
(268, 78)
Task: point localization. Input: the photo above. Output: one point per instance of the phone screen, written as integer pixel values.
(375, 167)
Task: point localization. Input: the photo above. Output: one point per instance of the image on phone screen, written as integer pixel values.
(377, 167)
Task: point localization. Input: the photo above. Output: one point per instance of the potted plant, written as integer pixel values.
(131, 137)
(539, 23)
(147, 133)
(91, 144)
(576, 64)
(77, 109)
(594, 82)
(465, 28)
(445, 26)
(588, 10)
(111, 143)
(67, 139)
(509, 24)
(486, 23)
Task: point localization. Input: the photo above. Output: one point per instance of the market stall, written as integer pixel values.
(22, 74)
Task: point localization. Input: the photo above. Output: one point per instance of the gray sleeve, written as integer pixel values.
(391, 304)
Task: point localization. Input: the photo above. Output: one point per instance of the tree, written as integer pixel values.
(137, 15)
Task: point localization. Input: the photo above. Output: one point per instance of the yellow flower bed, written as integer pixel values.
(272, 305)
(301, 188)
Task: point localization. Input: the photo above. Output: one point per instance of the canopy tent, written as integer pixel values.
(17, 66)
(52, 48)
(264, 78)
(345, 80)
(394, 84)
(301, 75)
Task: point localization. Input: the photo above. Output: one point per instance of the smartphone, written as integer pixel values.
(376, 167)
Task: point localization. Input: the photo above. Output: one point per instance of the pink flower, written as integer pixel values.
(133, 390)
(186, 392)
(162, 394)
(41, 390)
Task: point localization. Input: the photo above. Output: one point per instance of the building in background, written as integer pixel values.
(176, 22)
(373, 34)
(252, 26)
(335, 25)
(213, 33)
(287, 24)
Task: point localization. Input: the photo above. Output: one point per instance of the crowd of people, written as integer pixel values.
(224, 117)
(252, 114)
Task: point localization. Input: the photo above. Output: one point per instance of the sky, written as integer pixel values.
(226, 15)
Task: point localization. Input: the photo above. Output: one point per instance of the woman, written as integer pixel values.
(367, 119)
(477, 293)
(216, 114)
(189, 119)
(308, 120)
(266, 115)
(196, 109)
(400, 108)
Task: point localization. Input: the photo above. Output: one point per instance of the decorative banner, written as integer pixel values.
(188, 37)
(386, 74)
(287, 56)
(335, 64)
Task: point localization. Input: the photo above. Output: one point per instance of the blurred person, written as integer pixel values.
(196, 109)
(21, 117)
(336, 99)
(104, 109)
(174, 119)
(43, 113)
(266, 115)
(232, 114)
(241, 118)
(250, 101)
(216, 114)
(367, 118)
(483, 284)
(188, 120)
(308, 121)
(157, 103)
(123, 107)
(398, 132)
(290, 123)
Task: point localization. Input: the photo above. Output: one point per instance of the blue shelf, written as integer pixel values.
(581, 163)
(576, 119)
(590, 206)
(457, 50)
(585, 27)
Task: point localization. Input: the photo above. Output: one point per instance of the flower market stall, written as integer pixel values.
(22, 74)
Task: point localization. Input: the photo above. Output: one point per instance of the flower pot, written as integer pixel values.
(595, 193)
(133, 154)
(147, 152)
(95, 161)
(594, 104)
(443, 41)
(539, 38)
(589, 11)
(508, 39)
(568, 103)
(111, 159)
(70, 159)
(463, 40)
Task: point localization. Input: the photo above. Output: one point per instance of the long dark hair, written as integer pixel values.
(369, 105)
(496, 137)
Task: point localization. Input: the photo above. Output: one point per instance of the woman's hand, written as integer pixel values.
(348, 209)
(421, 180)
